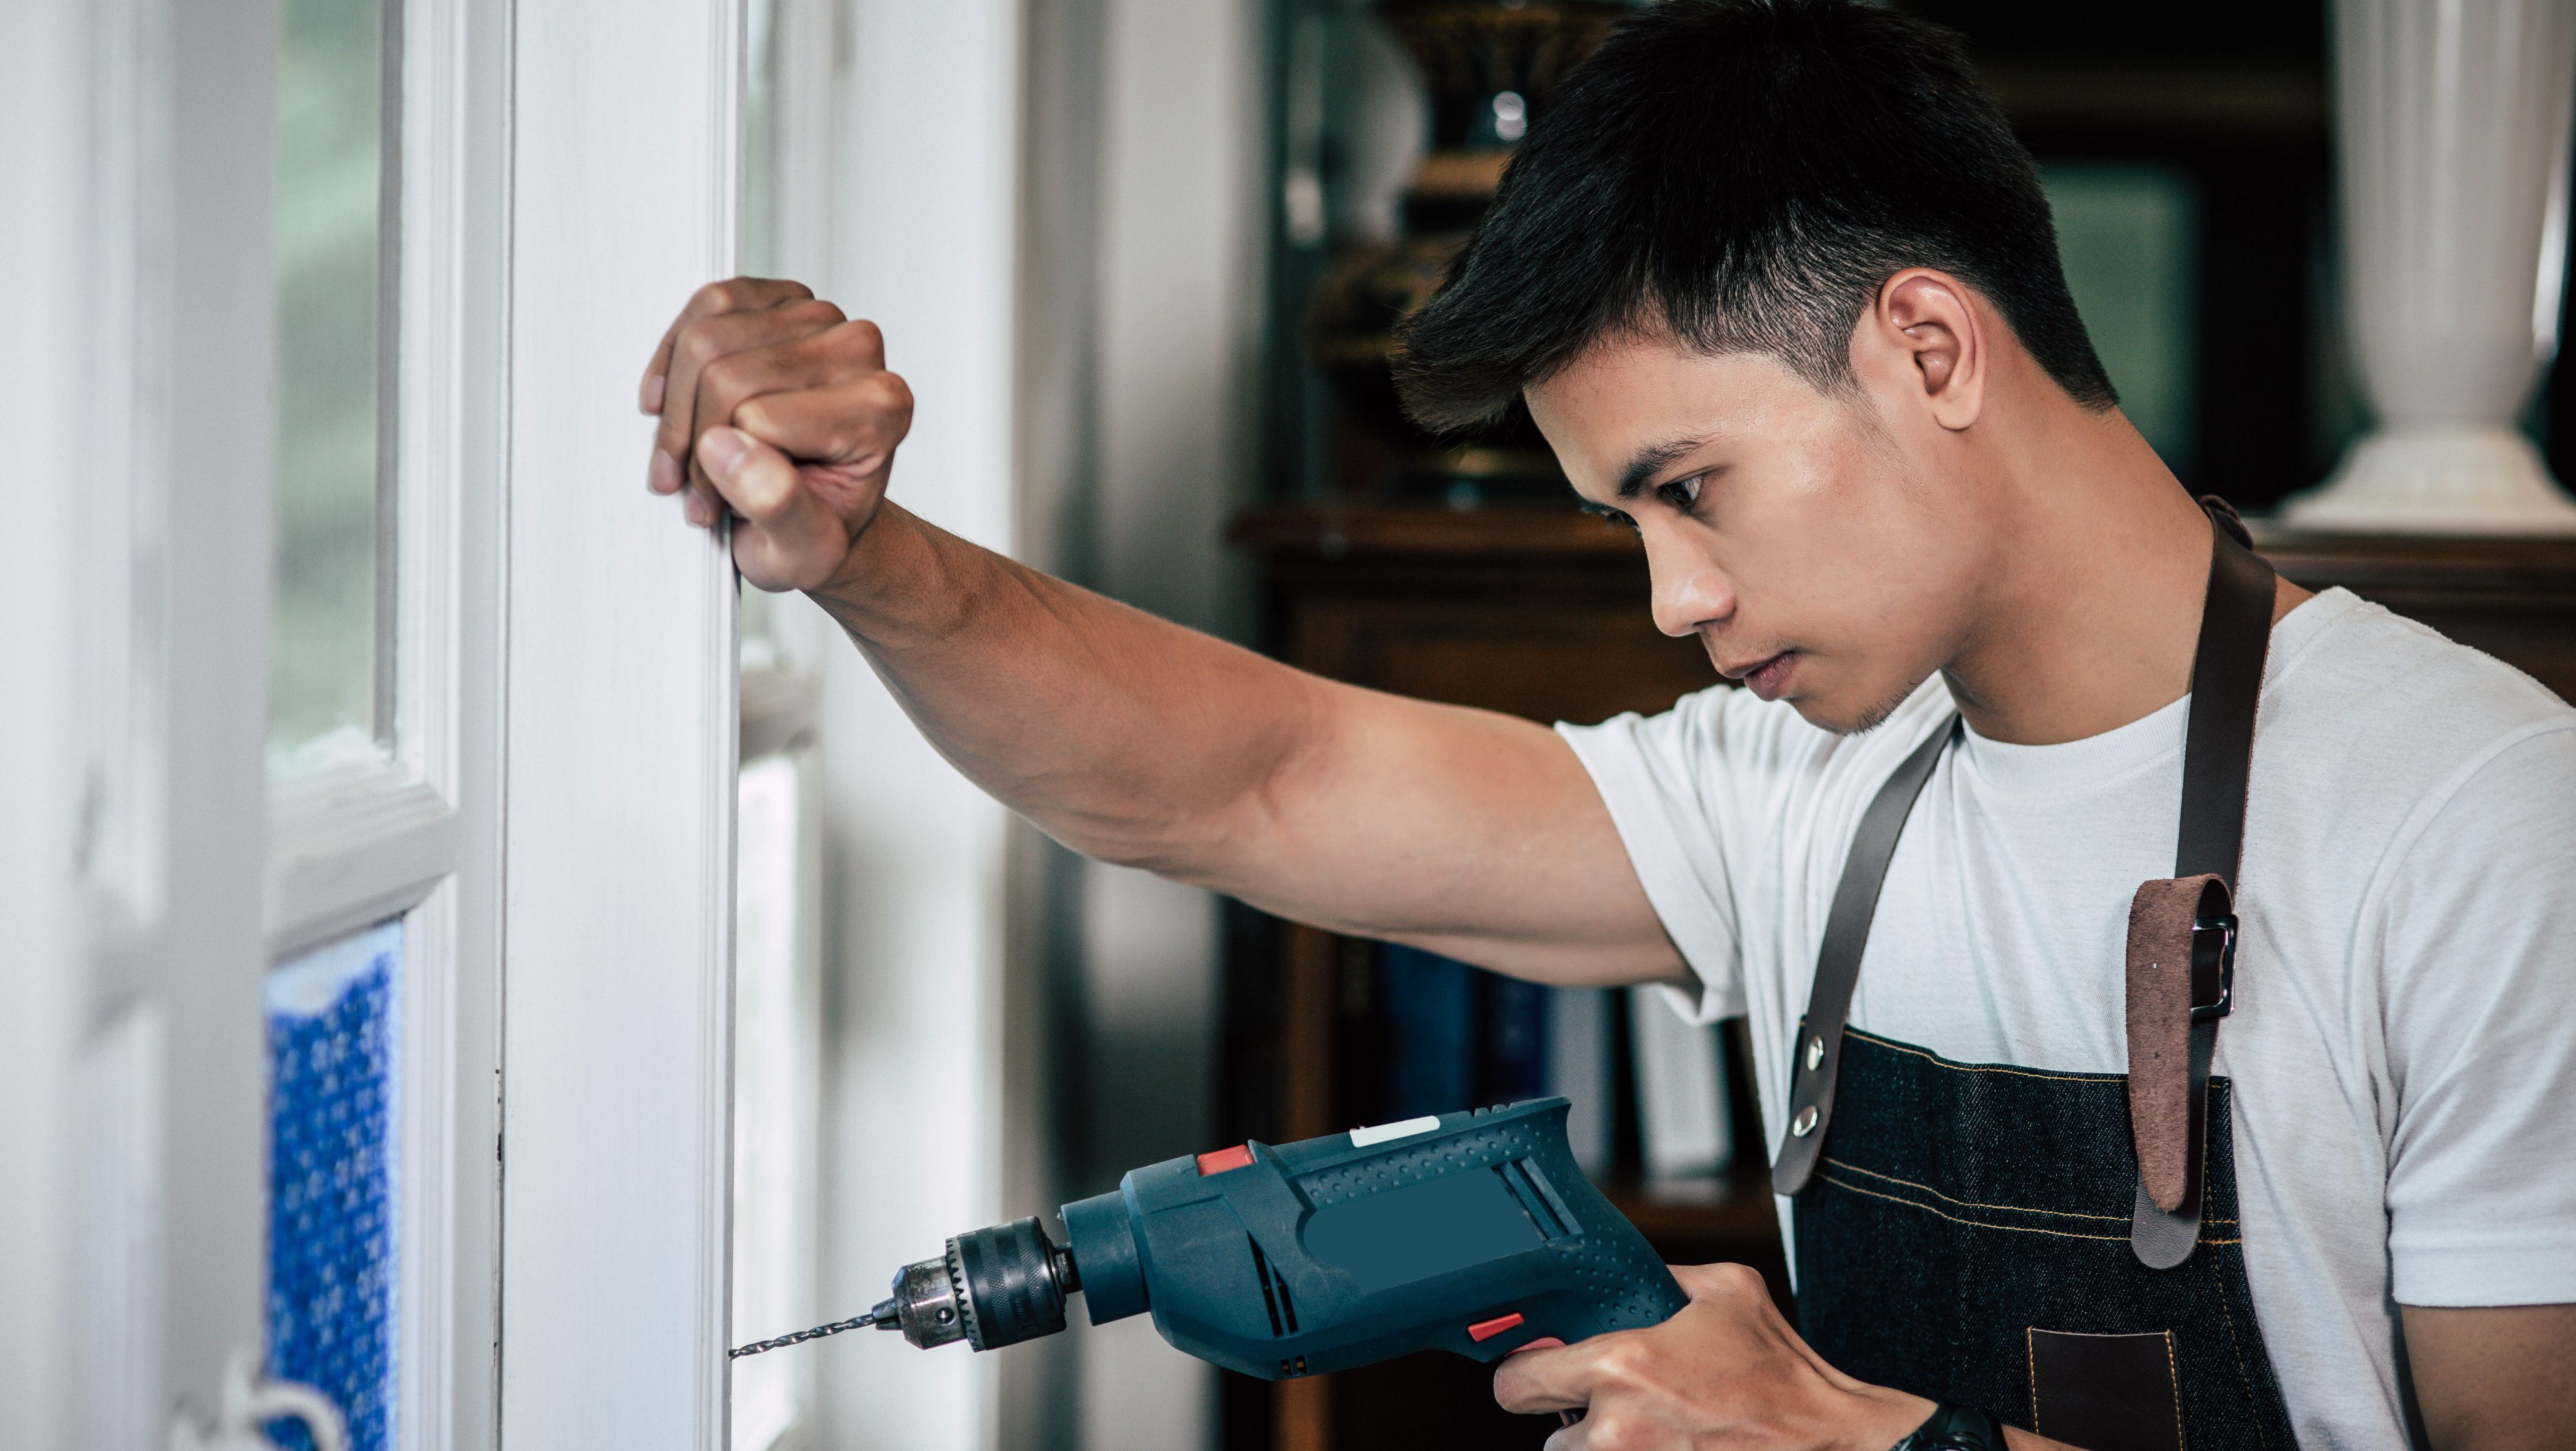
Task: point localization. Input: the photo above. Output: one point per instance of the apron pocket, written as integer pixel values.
(2105, 1392)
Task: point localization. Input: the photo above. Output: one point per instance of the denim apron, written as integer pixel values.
(2058, 1250)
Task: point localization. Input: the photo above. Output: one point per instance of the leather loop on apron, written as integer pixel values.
(2168, 1127)
(2217, 764)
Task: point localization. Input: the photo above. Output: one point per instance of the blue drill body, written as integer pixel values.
(1474, 1233)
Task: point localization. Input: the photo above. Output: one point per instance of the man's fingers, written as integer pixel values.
(856, 423)
(756, 481)
(1559, 1379)
(710, 342)
(842, 350)
(788, 539)
(732, 295)
(717, 345)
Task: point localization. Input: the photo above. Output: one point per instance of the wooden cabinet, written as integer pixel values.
(1542, 613)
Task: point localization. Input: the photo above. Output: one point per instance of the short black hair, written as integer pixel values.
(1744, 175)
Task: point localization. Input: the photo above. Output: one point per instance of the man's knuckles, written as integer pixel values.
(861, 340)
(1724, 1282)
(884, 397)
(739, 294)
(857, 423)
(1610, 1430)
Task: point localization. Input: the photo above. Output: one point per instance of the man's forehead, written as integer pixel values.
(1626, 407)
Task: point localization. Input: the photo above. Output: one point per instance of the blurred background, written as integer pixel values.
(1140, 260)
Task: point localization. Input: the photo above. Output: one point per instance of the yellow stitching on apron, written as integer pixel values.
(2173, 1374)
(2030, 1352)
(1984, 1224)
(2228, 1317)
(1975, 1204)
(1940, 1062)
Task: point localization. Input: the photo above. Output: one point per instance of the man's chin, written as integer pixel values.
(1843, 715)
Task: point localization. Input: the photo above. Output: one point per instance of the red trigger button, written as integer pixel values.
(1217, 1161)
(1488, 1329)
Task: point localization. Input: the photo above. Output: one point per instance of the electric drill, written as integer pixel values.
(1473, 1233)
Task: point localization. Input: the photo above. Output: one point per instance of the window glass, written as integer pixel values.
(328, 668)
(332, 1270)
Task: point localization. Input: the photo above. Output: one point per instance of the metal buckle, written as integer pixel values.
(2213, 967)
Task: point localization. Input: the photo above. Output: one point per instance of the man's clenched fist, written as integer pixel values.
(775, 406)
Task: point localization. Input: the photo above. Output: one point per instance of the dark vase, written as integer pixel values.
(1492, 68)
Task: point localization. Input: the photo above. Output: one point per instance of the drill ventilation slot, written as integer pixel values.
(1274, 1293)
(1537, 1198)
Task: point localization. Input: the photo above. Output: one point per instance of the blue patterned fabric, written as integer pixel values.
(332, 1270)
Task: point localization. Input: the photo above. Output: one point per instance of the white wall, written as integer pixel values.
(1053, 209)
(921, 241)
(1177, 335)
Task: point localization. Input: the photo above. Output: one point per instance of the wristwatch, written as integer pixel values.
(1955, 1428)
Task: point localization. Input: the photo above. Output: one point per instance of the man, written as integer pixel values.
(1780, 288)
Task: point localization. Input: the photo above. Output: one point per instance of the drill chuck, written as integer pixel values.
(993, 1287)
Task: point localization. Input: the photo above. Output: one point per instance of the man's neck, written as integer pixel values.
(2092, 617)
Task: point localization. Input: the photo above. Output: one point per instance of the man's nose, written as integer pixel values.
(1689, 592)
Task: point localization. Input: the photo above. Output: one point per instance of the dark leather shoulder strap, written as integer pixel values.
(1820, 1036)
(2227, 678)
(2185, 971)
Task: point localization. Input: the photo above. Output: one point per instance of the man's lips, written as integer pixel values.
(1766, 677)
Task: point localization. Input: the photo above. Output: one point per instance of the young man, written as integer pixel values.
(1779, 286)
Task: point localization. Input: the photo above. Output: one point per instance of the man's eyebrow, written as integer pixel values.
(1651, 460)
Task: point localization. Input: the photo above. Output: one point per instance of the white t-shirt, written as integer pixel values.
(2404, 1039)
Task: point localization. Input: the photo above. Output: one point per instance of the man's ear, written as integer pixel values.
(1924, 318)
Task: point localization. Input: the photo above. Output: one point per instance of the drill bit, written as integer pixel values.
(855, 1322)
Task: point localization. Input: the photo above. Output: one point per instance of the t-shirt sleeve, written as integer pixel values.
(2480, 1017)
(1651, 772)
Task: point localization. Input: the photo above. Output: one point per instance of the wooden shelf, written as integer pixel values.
(1734, 1209)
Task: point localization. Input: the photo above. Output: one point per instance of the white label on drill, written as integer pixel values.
(1362, 1138)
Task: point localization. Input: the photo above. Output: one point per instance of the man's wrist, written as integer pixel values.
(1886, 1418)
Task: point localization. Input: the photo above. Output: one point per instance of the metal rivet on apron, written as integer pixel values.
(1805, 1123)
(1815, 1052)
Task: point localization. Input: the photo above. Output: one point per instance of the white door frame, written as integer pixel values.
(620, 745)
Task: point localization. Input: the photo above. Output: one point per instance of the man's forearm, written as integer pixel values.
(1124, 736)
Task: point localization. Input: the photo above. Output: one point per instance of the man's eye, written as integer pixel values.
(1613, 515)
(1681, 493)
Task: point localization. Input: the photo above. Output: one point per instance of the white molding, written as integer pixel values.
(621, 745)
(47, 311)
(433, 1186)
(123, 626)
(372, 858)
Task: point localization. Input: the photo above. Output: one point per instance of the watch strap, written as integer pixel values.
(1955, 1428)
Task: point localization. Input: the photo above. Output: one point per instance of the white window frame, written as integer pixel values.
(557, 814)
(621, 738)
(418, 836)
(133, 989)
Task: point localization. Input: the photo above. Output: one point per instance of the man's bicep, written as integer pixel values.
(1471, 833)
(2498, 1378)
